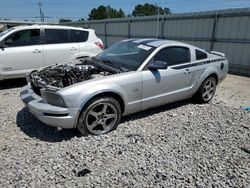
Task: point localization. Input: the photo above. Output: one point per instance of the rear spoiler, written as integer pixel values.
(218, 53)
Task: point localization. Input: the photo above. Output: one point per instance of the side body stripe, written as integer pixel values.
(178, 67)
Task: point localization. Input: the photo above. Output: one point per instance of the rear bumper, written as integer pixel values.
(223, 74)
(222, 79)
(51, 115)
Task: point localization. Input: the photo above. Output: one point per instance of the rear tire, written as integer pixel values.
(206, 90)
(102, 115)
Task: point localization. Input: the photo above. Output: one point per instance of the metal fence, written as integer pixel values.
(227, 31)
(7, 24)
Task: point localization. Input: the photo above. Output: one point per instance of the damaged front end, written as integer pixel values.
(56, 76)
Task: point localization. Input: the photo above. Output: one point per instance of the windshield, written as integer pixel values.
(5, 32)
(126, 55)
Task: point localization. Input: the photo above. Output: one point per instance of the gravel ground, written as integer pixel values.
(182, 144)
(234, 91)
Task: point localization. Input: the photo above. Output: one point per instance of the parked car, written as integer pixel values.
(25, 48)
(130, 76)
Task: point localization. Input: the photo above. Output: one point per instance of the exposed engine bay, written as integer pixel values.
(63, 75)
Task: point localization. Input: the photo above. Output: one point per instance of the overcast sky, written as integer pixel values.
(75, 9)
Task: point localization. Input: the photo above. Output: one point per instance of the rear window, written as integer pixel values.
(200, 55)
(56, 36)
(78, 36)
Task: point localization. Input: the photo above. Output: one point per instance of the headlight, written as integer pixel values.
(54, 99)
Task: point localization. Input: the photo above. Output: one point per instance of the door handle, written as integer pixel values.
(37, 51)
(187, 71)
(73, 49)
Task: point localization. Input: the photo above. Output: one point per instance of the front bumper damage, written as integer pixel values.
(51, 115)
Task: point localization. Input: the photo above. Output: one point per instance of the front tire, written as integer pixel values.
(206, 90)
(101, 116)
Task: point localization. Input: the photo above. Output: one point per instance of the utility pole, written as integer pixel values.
(157, 23)
(41, 12)
(55, 19)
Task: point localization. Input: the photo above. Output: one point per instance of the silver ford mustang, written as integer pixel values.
(130, 76)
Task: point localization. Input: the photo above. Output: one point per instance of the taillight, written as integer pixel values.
(100, 45)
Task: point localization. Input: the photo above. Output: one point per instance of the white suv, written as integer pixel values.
(25, 48)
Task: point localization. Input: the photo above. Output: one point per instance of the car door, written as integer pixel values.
(167, 85)
(23, 52)
(80, 38)
(57, 46)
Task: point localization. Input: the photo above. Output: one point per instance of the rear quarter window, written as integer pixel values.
(200, 55)
(78, 35)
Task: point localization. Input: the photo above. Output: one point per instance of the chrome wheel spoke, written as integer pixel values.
(104, 125)
(93, 113)
(110, 116)
(211, 91)
(208, 84)
(93, 125)
(205, 95)
(104, 109)
(212, 88)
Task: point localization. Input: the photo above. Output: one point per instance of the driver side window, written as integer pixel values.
(23, 38)
(173, 55)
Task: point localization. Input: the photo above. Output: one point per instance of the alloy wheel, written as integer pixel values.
(101, 118)
(209, 89)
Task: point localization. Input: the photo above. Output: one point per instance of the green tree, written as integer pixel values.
(64, 20)
(98, 13)
(121, 13)
(149, 10)
(81, 19)
(103, 12)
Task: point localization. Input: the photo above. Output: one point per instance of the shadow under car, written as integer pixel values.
(12, 83)
(34, 128)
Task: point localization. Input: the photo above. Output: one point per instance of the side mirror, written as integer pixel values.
(2, 45)
(158, 65)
